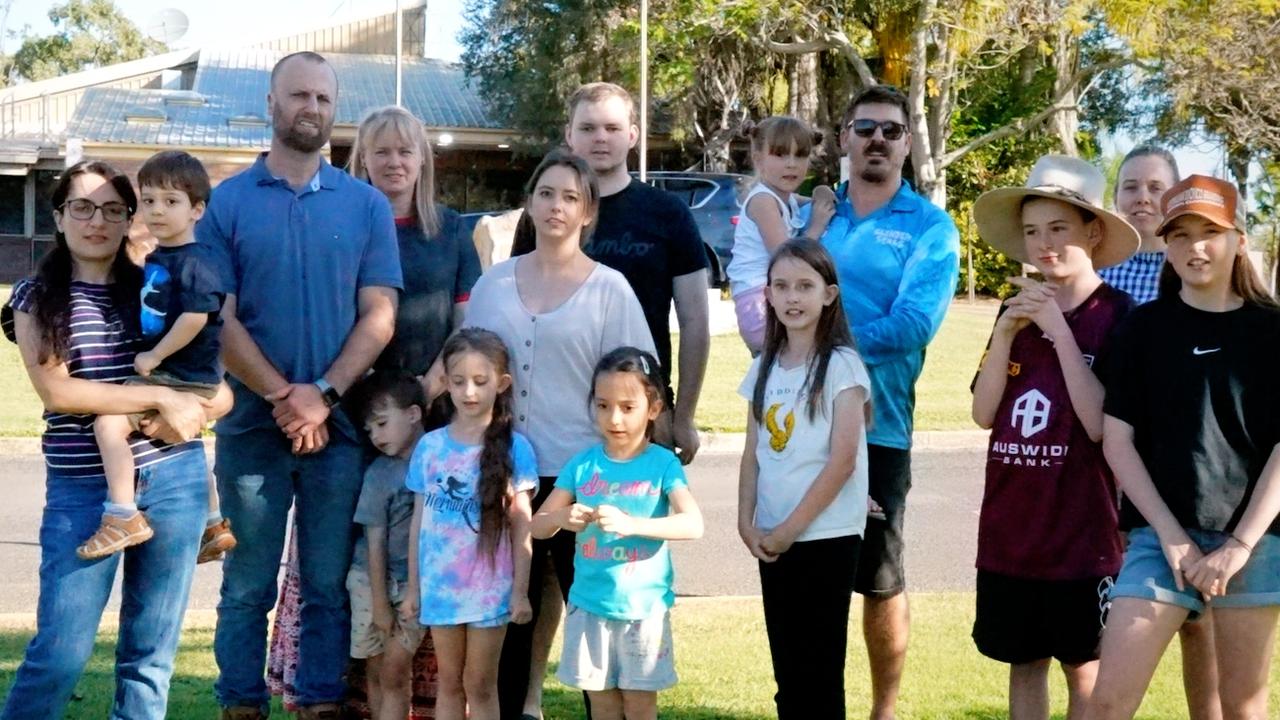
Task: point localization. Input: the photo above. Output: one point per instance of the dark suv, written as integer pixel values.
(713, 199)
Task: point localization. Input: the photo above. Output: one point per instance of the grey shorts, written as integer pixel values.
(603, 654)
(367, 640)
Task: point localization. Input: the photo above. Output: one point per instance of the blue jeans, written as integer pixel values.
(73, 592)
(258, 479)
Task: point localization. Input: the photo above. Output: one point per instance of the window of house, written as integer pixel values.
(45, 180)
(13, 204)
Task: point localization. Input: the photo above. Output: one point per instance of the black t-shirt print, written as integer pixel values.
(649, 236)
(1201, 391)
(182, 280)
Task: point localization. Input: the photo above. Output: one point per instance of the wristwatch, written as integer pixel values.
(328, 392)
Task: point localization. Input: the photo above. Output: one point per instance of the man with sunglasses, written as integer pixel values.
(897, 258)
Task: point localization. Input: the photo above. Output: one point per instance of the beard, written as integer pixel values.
(295, 139)
(876, 174)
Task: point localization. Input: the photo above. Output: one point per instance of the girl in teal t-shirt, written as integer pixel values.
(624, 498)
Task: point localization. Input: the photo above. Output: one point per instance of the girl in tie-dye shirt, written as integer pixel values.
(470, 534)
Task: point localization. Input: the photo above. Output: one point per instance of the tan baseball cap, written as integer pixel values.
(1212, 199)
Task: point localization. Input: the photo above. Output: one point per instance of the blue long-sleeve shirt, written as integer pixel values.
(898, 269)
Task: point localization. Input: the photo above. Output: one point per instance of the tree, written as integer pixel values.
(939, 50)
(708, 72)
(1213, 72)
(87, 33)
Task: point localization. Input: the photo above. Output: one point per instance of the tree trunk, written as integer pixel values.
(1238, 163)
(1065, 123)
(930, 180)
(802, 100)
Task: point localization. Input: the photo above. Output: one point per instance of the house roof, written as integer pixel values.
(98, 76)
(226, 108)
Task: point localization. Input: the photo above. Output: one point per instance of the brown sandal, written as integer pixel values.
(217, 539)
(115, 534)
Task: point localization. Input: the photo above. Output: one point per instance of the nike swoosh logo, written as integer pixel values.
(1198, 351)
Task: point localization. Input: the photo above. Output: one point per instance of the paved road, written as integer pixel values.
(941, 530)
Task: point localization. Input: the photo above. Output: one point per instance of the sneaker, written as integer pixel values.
(323, 711)
(243, 712)
(217, 539)
(115, 534)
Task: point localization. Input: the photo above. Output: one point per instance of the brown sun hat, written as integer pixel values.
(998, 213)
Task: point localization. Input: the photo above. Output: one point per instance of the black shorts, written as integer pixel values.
(880, 570)
(1021, 620)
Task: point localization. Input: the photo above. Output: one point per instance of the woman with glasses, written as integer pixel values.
(76, 325)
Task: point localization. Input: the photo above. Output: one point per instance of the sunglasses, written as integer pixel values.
(865, 128)
(82, 209)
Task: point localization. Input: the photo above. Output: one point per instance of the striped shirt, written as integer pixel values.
(100, 349)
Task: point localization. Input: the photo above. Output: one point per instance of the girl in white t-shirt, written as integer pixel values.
(780, 148)
(802, 493)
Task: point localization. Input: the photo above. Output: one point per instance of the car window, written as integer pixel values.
(695, 193)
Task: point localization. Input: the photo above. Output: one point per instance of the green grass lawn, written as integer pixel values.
(942, 395)
(723, 663)
(19, 405)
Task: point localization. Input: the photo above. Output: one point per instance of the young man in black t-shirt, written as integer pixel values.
(651, 238)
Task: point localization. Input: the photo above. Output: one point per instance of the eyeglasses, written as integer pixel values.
(82, 209)
(866, 128)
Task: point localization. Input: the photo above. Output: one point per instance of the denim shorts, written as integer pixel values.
(1147, 575)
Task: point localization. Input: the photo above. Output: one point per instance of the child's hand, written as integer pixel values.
(752, 537)
(383, 619)
(1212, 572)
(874, 510)
(521, 610)
(1182, 554)
(409, 610)
(577, 517)
(145, 362)
(1036, 303)
(612, 520)
(777, 542)
(822, 210)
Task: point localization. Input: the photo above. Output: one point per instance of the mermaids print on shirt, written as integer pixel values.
(459, 583)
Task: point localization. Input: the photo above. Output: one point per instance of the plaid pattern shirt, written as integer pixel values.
(1139, 275)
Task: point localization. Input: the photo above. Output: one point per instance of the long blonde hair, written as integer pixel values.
(410, 129)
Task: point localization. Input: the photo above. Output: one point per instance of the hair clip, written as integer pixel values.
(645, 365)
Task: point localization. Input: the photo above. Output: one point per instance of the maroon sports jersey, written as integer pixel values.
(1049, 510)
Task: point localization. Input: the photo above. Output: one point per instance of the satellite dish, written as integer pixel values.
(168, 25)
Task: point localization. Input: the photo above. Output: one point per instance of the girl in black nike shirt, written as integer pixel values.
(1191, 430)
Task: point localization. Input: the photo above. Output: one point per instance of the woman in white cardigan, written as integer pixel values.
(559, 312)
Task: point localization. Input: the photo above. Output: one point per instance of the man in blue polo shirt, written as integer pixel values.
(897, 257)
(311, 268)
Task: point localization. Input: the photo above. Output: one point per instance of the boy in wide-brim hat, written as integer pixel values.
(1048, 537)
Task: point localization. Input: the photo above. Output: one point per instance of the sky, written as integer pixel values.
(216, 22)
(219, 22)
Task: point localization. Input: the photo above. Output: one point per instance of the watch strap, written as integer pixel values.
(328, 392)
